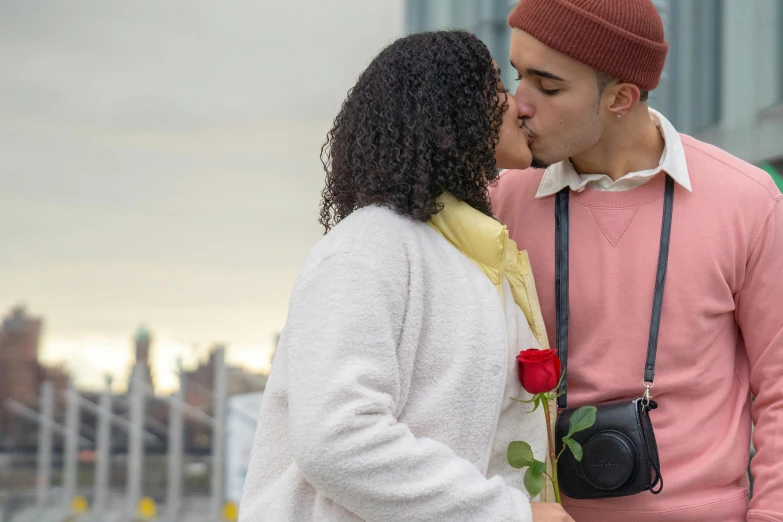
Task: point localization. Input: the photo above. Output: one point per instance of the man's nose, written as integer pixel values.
(525, 106)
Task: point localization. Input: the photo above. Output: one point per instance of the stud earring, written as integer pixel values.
(619, 115)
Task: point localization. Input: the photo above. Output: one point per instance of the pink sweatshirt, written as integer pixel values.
(721, 335)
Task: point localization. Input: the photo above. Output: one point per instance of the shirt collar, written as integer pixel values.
(562, 175)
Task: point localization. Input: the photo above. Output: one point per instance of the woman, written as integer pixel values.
(390, 393)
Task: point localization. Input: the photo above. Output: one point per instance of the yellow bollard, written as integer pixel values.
(147, 509)
(230, 512)
(79, 505)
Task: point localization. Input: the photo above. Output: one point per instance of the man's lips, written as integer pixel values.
(527, 132)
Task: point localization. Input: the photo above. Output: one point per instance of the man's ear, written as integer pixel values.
(623, 98)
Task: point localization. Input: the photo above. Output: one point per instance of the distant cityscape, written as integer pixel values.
(22, 375)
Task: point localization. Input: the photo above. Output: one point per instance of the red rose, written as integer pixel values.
(539, 370)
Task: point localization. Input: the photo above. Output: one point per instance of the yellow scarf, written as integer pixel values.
(485, 242)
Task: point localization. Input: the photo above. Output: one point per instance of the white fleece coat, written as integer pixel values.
(387, 386)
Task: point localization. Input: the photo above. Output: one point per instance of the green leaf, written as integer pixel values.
(534, 482)
(519, 454)
(538, 467)
(581, 419)
(575, 448)
(536, 402)
(523, 401)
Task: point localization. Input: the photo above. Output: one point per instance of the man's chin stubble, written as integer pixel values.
(538, 163)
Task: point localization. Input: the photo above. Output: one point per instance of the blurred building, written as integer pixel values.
(21, 376)
(142, 341)
(19, 340)
(723, 81)
(485, 18)
(199, 384)
(200, 381)
(19, 370)
(59, 376)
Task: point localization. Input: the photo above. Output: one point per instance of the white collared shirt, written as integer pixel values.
(561, 175)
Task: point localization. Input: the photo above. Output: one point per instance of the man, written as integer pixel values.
(585, 68)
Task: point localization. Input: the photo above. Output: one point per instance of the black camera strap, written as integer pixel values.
(562, 296)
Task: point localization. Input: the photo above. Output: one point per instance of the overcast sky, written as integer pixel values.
(159, 165)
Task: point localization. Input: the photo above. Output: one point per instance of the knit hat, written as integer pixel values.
(622, 38)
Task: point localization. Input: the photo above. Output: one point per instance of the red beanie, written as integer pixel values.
(622, 38)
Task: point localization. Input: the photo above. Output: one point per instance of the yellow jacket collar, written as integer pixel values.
(478, 236)
(485, 242)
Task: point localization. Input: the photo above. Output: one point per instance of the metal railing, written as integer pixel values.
(98, 502)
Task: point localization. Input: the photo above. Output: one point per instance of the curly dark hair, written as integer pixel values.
(422, 119)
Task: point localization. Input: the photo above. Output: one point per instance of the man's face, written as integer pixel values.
(558, 100)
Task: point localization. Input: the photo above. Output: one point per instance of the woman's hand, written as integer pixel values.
(549, 512)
